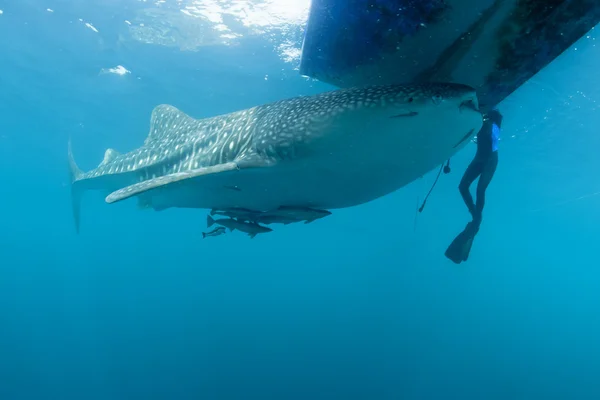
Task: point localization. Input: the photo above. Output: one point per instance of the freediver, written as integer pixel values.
(483, 167)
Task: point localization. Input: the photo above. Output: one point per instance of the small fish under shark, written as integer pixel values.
(332, 150)
(282, 215)
(251, 228)
(220, 230)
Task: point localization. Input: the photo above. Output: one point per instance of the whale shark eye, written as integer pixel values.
(436, 98)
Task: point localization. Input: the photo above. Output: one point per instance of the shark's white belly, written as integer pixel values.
(356, 170)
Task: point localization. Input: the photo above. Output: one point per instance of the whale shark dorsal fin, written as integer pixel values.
(109, 156)
(167, 121)
(167, 180)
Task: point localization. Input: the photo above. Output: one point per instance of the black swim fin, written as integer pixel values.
(459, 249)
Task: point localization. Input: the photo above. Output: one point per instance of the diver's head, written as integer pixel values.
(495, 117)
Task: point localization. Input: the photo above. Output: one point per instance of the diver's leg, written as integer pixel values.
(484, 180)
(473, 171)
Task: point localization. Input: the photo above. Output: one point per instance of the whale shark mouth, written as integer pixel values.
(466, 137)
(471, 104)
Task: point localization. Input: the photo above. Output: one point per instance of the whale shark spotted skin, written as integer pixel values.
(332, 150)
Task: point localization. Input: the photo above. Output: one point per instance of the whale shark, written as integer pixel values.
(331, 150)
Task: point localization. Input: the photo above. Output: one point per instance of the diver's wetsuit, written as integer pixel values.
(483, 166)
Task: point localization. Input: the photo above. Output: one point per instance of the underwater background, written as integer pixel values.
(359, 305)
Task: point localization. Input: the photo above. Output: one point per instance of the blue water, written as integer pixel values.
(359, 305)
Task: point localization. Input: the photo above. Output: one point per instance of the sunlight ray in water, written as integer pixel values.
(193, 24)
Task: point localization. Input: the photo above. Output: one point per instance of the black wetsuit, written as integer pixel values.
(483, 166)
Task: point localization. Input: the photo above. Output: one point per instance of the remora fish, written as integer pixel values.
(332, 150)
(241, 214)
(215, 232)
(252, 229)
(282, 215)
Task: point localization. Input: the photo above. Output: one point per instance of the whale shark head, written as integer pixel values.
(416, 125)
(438, 116)
(415, 98)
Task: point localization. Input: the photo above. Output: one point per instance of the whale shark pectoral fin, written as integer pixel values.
(164, 181)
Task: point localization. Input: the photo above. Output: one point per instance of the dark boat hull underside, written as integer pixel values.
(493, 46)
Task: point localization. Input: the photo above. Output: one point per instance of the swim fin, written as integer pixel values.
(459, 249)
